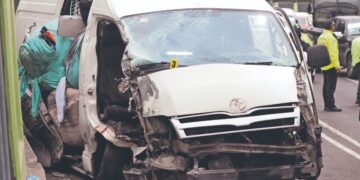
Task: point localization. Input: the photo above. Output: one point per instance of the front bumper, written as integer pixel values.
(274, 172)
(268, 173)
(200, 151)
(298, 170)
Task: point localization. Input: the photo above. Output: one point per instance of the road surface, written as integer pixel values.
(341, 131)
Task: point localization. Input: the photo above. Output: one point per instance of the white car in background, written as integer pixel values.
(291, 15)
(304, 20)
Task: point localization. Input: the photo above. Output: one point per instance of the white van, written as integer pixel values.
(192, 89)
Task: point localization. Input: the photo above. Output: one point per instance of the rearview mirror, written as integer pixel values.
(318, 56)
(70, 26)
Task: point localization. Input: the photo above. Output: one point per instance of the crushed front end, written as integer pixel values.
(219, 111)
(277, 141)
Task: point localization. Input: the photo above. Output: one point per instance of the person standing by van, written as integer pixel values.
(330, 71)
(305, 40)
(355, 52)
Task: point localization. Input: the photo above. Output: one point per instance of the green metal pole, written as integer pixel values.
(17, 148)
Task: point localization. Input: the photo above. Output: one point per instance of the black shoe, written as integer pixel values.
(333, 109)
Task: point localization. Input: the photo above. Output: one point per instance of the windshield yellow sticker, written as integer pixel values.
(174, 63)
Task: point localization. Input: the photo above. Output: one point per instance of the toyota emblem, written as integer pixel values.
(237, 105)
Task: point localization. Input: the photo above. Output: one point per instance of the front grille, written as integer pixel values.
(218, 129)
(262, 118)
(224, 116)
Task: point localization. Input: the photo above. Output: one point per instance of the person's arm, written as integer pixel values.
(334, 53)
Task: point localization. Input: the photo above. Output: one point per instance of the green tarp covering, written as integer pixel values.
(43, 66)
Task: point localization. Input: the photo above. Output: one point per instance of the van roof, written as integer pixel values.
(132, 7)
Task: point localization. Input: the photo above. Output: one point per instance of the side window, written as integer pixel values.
(109, 48)
(353, 28)
(340, 26)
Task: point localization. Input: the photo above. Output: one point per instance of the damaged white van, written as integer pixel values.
(191, 89)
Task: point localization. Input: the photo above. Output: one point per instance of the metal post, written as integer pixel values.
(5, 171)
(296, 6)
(12, 93)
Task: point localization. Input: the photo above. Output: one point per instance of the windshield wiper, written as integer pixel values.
(153, 67)
(259, 63)
(144, 66)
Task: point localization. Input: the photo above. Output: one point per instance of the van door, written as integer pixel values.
(34, 13)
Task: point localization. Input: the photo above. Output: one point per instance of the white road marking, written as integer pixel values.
(353, 81)
(340, 146)
(337, 132)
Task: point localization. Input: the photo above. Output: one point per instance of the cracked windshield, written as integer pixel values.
(199, 37)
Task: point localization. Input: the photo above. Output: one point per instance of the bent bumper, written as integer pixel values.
(207, 149)
(274, 172)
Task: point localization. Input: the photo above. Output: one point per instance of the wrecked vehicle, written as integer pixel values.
(190, 90)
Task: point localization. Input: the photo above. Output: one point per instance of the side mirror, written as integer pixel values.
(70, 26)
(318, 56)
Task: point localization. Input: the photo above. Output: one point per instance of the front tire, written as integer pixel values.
(114, 159)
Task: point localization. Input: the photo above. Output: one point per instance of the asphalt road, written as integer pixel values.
(341, 131)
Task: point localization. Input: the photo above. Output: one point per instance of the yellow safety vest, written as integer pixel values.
(304, 37)
(355, 51)
(328, 39)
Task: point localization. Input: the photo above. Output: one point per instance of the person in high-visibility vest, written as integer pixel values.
(305, 40)
(330, 71)
(355, 53)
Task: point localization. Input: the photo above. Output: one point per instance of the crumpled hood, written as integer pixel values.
(216, 88)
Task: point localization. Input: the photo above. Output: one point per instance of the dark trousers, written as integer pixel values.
(358, 90)
(330, 78)
(356, 74)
